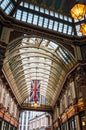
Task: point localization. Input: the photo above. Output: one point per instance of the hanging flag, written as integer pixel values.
(35, 91)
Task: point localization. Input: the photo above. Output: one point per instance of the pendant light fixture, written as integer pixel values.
(78, 11)
(83, 29)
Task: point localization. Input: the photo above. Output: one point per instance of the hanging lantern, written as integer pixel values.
(78, 11)
(83, 29)
(35, 105)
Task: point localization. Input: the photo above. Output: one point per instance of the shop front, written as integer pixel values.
(83, 120)
(72, 123)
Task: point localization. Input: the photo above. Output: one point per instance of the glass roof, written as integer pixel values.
(33, 58)
(48, 18)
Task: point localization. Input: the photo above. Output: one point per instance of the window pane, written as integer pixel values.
(26, 5)
(56, 15)
(18, 15)
(35, 19)
(55, 26)
(46, 11)
(45, 23)
(36, 8)
(31, 6)
(30, 17)
(9, 9)
(24, 16)
(50, 24)
(40, 23)
(4, 4)
(60, 27)
(51, 13)
(41, 10)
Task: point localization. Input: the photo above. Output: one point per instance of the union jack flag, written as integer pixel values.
(35, 91)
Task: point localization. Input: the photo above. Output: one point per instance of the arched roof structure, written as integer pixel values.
(29, 58)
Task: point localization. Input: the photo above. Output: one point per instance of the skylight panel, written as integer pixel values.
(65, 18)
(50, 24)
(60, 27)
(9, 8)
(70, 19)
(56, 15)
(77, 30)
(76, 20)
(4, 4)
(18, 14)
(26, 5)
(24, 16)
(32, 40)
(46, 11)
(31, 6)
(61, 16)
(55, 26)
(35, 19)
(51, 13)
(21, 4)
(53, 45)
(62, 52)
(42, 10)
(62, 55)
(36, 8)
(30, 17)
(65, 28)
(69, 29)
(24, 40)
(40, 22)
(44, 42)
(45, 25)
(72, 32)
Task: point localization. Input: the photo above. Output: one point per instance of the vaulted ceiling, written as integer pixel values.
(35, 57)
(29, 59)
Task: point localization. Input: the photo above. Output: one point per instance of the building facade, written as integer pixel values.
(9, 110)
(24, 120)
(70, 111)
(41, 121)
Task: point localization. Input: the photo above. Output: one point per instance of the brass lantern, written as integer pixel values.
(78, 11)
(35, 105)
(83, 29)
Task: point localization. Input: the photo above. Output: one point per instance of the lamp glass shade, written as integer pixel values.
(35, 105)
(78, 11)
(83, 29)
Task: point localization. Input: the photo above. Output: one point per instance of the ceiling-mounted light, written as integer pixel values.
(79, 10)
(83, 29)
